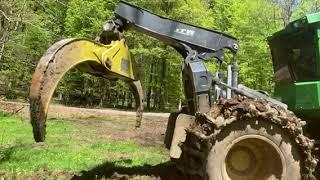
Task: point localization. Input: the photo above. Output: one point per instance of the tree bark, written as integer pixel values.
(1, 51)
(155, 89)
(129, 105)
(150, 86)
(123, 98)
(162, 98)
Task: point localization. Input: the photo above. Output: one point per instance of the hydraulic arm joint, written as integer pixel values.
(194, 43)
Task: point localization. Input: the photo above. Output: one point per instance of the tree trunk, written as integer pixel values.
(130, 101)
(155, 89)
(162, 98)
(116, 101)
(1, 51)
(123, 98)
(150, 86)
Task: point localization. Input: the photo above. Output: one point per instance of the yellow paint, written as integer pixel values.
(117, 52)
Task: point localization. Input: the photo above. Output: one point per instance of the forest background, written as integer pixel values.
(29, 27)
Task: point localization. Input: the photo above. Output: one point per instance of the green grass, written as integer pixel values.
(63, 150)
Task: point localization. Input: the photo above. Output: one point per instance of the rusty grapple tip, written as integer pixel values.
(110, 61)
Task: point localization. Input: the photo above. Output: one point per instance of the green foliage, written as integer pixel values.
(30, 27)
(84, 18)
(236, 18)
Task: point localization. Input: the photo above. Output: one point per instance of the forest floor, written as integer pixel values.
(84, 144)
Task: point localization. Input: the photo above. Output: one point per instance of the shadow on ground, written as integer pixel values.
(108, 170)
(5, 154)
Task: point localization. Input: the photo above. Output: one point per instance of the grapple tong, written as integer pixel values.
(110, 59)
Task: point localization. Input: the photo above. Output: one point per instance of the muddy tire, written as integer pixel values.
(171, 126)
(253, 150)
(170, 129)
(247, 139)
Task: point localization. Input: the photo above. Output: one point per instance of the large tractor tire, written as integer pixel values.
(312, 130)
(254, 150)
(245, 139)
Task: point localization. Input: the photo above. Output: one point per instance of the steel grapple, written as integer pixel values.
(110, 61)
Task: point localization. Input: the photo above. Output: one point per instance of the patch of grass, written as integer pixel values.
(104, 118)
(63, 150)
(56, 116)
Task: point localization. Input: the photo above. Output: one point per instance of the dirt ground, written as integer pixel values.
(120, 127)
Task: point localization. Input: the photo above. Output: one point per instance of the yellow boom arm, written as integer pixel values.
(111, 61)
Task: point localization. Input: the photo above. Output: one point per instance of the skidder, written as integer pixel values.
(227, 130)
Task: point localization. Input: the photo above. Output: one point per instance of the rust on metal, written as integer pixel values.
(87, 56)
(138, 96)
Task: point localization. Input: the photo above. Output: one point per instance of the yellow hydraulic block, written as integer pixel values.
(111, 61)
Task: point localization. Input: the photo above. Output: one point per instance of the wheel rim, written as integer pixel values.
(252, 157)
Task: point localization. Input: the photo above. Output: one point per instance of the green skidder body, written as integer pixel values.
(296, 62)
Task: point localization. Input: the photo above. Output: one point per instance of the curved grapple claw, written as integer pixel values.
(109, 61)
